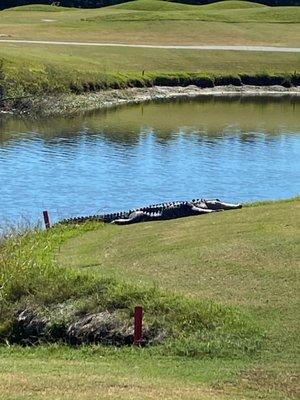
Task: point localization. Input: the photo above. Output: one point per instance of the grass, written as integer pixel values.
(257, 245)
(35, 69)
(30, 278)
(77, 71)
(157, 5)
(220, 23)
(233, 4)
(88, 373)
(245, 261)
(260, 15)
(41, 7)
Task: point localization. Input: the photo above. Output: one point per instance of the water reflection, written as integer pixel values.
(236, 149)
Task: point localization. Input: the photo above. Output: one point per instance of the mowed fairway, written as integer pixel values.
(151, 22)
(92, 62)
(93, 373)
(248, 258)
(158, 22)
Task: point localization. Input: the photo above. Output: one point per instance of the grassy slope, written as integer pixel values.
(41, 7)
(246, 258)
(232, 4)
(171, 23)
(157, 5)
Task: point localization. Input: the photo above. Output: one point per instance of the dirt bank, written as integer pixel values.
(74, 104)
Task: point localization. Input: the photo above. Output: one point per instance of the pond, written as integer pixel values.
(236, 149)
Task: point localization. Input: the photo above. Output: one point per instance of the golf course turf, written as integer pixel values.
(243, 261)
(41, 69)
(220, 291)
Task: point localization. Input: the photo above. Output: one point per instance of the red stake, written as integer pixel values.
(138, 324)
(46, 219)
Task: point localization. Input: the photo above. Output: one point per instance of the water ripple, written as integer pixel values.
(96, 164)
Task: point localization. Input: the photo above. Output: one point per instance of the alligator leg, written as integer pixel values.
(136, 216)
(200, 210)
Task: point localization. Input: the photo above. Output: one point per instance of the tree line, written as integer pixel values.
(102, 3)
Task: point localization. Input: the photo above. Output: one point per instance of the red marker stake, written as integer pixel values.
(46, 219)
(138, 324)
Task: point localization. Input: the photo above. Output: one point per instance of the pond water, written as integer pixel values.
(236, 149)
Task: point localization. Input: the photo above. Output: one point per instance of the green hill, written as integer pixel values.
(232, 4)
(154, 5)
(41, 8)
(104, 3)
(161, 5)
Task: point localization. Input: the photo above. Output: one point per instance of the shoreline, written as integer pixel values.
(6, 224)
(70, 104)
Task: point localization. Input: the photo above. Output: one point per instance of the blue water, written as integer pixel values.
(235, 150)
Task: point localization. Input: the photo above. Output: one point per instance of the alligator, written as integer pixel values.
(162, 211)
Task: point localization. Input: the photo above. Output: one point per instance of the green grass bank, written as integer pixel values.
(37, 69)
(51, 80)
(222, 288)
